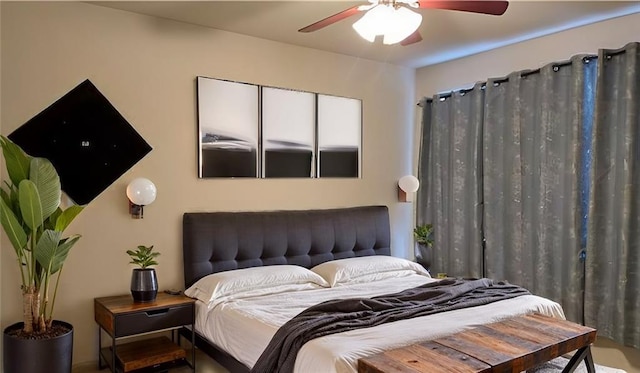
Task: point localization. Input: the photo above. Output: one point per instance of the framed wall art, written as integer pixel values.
(228, 121)
(247, 130)
(339, 136)
(288, 133)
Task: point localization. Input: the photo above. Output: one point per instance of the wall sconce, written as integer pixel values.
(141, 192)
(407, 186)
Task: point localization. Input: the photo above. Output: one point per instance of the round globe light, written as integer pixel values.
(409, 183)
(141, 191)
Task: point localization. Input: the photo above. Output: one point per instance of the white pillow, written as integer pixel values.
(222, 284)
(367, 268)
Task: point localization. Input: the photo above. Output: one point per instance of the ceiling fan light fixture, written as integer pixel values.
(373, 22)
(403, 23)
(395, 24)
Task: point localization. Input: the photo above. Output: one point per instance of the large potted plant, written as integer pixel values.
(34, 222)
(144, 282)
(424, 242)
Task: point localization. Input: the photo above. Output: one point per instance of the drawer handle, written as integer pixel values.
(155, 313)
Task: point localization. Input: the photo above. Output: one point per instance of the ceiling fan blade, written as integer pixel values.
(331, 19)
(495, 8)
(413, 38)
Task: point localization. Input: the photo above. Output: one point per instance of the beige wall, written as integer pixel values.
(532, 54)
(147, 68)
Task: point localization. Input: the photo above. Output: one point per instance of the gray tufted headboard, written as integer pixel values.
(221, 241)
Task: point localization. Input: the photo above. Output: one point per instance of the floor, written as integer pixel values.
(605, 352)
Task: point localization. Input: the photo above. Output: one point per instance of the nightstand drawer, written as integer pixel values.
(152, 320)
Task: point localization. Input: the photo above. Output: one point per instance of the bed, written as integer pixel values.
(259, 280)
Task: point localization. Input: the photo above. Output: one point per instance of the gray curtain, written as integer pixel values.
(549, 174)
(450, 177)
(423, 212)
(612, 299)
(533, 145)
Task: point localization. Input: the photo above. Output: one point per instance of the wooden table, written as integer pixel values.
(513, 345)
(121, 317)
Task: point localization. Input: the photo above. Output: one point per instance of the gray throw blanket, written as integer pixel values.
(341, 315)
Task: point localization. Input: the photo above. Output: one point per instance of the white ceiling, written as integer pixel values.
(446, 34)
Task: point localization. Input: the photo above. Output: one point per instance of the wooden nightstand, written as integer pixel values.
(120, 317)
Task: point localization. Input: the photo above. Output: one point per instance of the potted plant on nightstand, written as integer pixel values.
(144, 283)
(424, 242)
(33, 221)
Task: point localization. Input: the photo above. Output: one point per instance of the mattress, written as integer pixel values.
(243, 325)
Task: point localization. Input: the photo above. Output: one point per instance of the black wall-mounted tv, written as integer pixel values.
(88, 141)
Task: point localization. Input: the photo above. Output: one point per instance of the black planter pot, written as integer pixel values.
(144, 285)
(423, 255)
(52, 355)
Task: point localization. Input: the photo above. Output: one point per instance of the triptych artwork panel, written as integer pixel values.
(246, 130)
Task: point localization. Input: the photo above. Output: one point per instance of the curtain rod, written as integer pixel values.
(524, 73)
(611, 53)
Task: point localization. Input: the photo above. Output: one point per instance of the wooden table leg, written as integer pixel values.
(100, 348)
(582, 354)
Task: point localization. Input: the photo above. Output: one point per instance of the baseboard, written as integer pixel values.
(88, 366)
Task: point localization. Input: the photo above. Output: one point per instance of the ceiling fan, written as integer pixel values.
(397, 22)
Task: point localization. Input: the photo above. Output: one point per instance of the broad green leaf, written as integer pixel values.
(15, 201)
(12, 203)
(17, 161)
(30, 205)
(67, 216)
(63, 252)
(46, 179)
(50, 222)
(12, 228)
(47, 247)
(5, 197)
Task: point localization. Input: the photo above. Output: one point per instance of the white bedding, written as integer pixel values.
(243, 326)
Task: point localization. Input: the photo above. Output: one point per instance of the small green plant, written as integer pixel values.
(143, 256)
(424, 234)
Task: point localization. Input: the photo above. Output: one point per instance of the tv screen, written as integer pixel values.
(86, 139)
